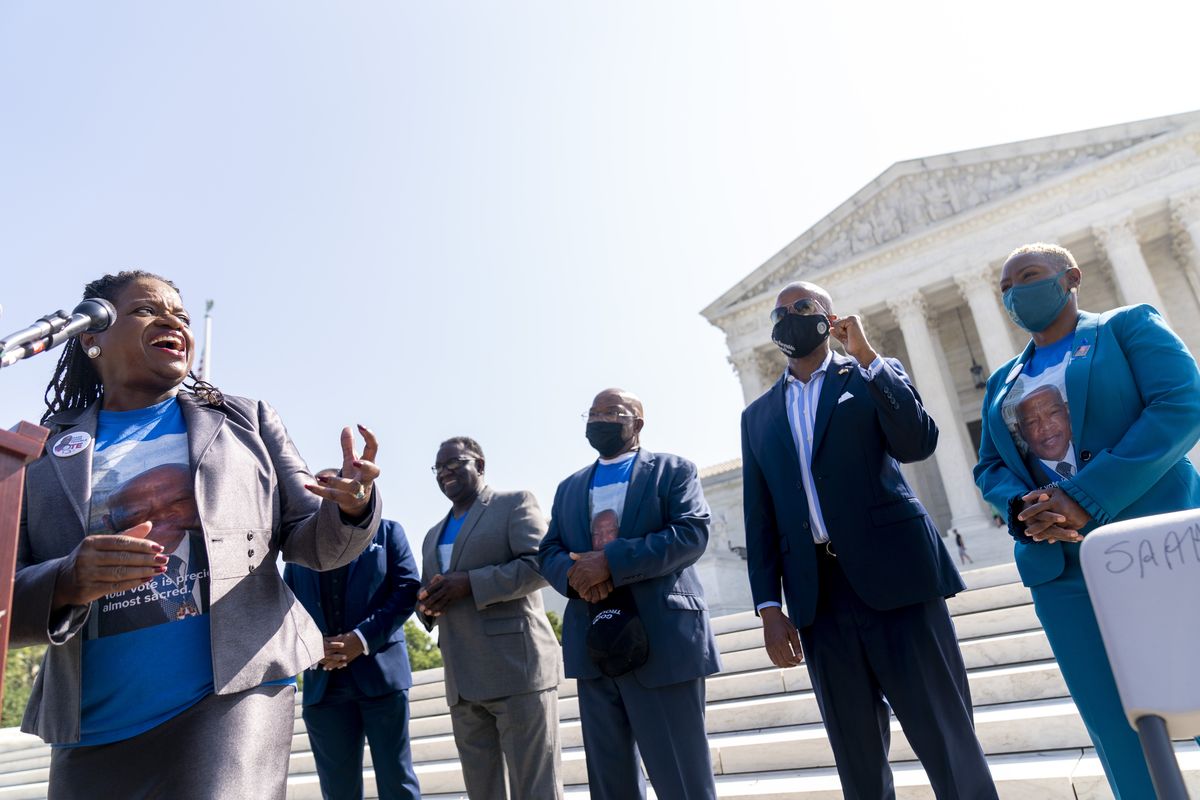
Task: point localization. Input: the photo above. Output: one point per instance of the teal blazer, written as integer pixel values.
(1134, 396)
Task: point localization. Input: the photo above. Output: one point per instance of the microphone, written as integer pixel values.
(93, 315)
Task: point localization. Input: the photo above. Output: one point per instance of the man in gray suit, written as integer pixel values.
(480, 587)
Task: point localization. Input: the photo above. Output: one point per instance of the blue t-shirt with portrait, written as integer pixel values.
(146, 651)
(610, 484)
(1037, 413)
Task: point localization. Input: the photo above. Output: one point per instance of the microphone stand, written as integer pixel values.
(54, 329)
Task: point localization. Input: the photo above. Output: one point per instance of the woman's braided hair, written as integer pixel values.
(76, 383)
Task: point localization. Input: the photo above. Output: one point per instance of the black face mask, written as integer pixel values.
(797, 335)
(607, 438)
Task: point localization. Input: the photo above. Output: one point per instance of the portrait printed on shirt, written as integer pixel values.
(146, 480)
(607, 504)
(1038, 418)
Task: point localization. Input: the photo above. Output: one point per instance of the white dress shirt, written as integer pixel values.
(801, 403)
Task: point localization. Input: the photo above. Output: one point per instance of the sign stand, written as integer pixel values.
(1143, 576)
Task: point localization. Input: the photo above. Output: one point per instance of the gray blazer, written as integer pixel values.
(249, 484)
(500, 644)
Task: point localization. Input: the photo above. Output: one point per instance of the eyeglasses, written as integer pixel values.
(605, 416)
(805, 307)
(454, 465)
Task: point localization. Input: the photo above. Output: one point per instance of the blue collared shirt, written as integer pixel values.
(801, 399)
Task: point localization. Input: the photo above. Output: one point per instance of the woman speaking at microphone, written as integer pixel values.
(147, 560)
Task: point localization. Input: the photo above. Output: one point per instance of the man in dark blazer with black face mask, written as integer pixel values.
(832, 526)
(624, 534)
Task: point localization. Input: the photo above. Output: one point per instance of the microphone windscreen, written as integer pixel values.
(101, 312)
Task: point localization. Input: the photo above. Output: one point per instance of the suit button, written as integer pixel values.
(804, 525)
(800, 485)
(250, 553)
(1086, 455)
(251, 568)
(249, 536)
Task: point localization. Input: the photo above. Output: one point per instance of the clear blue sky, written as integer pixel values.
(445, 218)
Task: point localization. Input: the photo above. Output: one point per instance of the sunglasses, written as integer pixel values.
(804, 307)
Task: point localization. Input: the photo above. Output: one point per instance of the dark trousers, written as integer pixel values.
(337, 726)
(857, 656)
(621, 718)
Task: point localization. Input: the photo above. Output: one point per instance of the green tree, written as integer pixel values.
(556, 624)
(22, 667)
(423, 653)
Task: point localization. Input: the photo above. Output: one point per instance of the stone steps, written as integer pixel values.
(1063, 774)
(765, 733)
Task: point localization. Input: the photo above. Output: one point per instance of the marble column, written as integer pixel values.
(1135, 284)
(1185, 223)
(966, 510)
(751, 372)
(1185, 220)
(744, 367)
(978, 288)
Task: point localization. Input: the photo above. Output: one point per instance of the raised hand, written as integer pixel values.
(352, 491)
(849, 331)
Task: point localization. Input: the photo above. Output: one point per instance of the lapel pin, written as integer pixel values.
(1083, 350)
(844, 370)
(72, 444)
(1014, 372)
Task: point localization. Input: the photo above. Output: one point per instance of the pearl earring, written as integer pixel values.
(93, 351)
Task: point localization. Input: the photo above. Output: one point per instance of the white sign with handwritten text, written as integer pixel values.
(1143, 576)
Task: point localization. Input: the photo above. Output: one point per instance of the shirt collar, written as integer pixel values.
(621, 459)
(790, 378)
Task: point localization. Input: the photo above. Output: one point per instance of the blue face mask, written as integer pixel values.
(1035, 305)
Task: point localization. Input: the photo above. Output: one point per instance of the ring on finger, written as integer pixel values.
(361, 493)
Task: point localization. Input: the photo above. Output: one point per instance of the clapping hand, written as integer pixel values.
(352, 491)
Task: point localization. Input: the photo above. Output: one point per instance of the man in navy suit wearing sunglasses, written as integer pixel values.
(832, 526)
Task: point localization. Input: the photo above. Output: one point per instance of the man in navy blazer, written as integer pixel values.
(646, 553)
(833, 528)
(360, 687)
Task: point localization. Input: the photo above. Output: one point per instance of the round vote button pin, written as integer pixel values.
(72, 443)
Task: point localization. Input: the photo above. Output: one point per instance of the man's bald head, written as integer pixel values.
(614, 398)
(798, 290)
(614, 422)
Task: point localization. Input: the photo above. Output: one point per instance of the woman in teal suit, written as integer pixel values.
(1089, 425)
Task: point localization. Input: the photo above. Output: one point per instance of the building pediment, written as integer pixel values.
(911, 197)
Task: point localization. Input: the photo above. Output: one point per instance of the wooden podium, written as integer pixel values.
(18, 447)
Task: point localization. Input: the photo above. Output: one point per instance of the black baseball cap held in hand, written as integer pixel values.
(616, 637)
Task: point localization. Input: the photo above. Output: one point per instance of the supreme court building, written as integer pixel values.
(917, 253)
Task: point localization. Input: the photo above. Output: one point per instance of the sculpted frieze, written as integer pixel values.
(919, 200)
